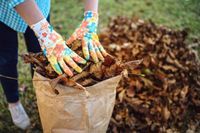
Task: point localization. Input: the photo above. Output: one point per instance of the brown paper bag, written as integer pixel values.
(71, 111)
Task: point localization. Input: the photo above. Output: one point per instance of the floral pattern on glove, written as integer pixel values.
(55, 49)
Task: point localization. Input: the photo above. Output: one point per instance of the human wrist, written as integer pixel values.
(28, 10)
(91, 5)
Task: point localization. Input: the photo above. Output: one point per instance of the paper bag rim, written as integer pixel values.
(37, 75)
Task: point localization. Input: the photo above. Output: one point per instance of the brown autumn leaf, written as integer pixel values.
(184, 91)
(169, 68)
(166, 113)
(130, 92)
(121, 95)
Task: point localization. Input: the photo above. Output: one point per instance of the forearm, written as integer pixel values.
(29, 11)
(91, 5)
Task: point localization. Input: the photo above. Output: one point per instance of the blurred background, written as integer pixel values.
(67, 14)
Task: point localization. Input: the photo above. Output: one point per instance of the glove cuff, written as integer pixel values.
(40, 27)
(90, 14)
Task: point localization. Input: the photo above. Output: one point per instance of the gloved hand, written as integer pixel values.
(87, 33)
(54, 48)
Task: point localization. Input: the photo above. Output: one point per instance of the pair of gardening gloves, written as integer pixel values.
(60, 56)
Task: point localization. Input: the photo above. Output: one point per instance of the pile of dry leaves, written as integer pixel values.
(163, 93)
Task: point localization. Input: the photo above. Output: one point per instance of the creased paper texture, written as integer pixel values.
(71, 111)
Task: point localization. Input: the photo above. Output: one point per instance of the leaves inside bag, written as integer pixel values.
(92, 73)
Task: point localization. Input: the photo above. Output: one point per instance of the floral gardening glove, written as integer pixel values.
(55, 49)
(87, 33)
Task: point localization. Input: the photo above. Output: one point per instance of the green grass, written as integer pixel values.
(66, 15)
(177, 14)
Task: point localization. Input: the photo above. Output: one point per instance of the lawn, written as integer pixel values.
(66, 15)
